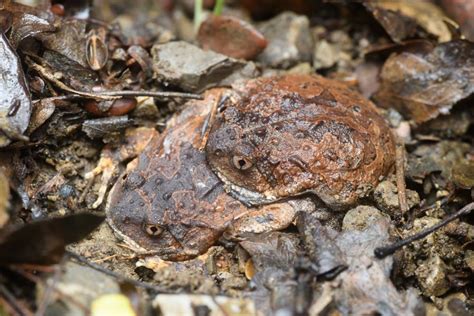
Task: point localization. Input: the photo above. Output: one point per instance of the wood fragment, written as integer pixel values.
(400, 175)
(382, 252)
(107, 95)
(206, 128)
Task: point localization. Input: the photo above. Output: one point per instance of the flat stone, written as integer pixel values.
(15, 102)
(361, 217)
(83, 284)
(469, 259)
(189, 67)
(289, 40)
(431, 275)
(231, 36)
(186, 304)
(386, 198)
(325, 55)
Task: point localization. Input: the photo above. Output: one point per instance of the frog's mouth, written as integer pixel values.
(247, 197)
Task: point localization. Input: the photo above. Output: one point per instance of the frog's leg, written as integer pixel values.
(106, 166)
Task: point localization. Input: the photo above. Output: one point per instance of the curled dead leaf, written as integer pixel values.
(405, 18)
(15, 102)
(44, 241)
(423, 85)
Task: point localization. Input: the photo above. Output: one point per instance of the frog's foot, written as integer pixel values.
(247, 197)
(106, 166)
(267, 218)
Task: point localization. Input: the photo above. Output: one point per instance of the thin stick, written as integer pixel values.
(13, 302)
(206, 127)
(109, 95)
(127, 93)
(50, 287)
(155, 94)
(50, 77)
(382, 252)
(400, 175)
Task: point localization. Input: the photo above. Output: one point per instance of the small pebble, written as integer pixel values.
(469, 259)
(289, 40)
(172, 65)
(231, 36)
(431, 275)
(119, 107)
(386, 198)
(361, 217)
(404, 131)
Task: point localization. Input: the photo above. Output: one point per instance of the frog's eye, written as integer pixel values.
(153, 229)
(241, 162)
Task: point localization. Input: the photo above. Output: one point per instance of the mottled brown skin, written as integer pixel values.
(170, 202)
(284, 136)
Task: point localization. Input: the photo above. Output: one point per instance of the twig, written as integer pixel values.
(105, 259)
(154, 94)
(382, 252)
(438, 203)
(107, 95)
(13, 302)
(50, 288)
(400, 175)
(206, 127)
(128, 93)
(50, 77)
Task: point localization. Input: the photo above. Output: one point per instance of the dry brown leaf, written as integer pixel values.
(395, 15)
(423, 85)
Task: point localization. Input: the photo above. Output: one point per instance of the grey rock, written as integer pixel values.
(15, 102)
(442, 156)
(325, 55)
(187, 304)
(431, 275)
(361, 217)
(83, 284)
(301, 69)
(289, 40)
(193, 69)
(248, 71)
(360, 283)
(469, 259)
(386, 198)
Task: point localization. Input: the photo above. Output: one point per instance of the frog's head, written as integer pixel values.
(292, 135)
(157, 227)
(234, 153)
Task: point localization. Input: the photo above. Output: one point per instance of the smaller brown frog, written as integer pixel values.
(170, 203)
(284, 136)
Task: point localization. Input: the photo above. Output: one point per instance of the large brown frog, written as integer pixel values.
(279, 137)
(170, 203)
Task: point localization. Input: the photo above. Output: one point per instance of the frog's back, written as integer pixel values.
(168, 198)
(299, 134)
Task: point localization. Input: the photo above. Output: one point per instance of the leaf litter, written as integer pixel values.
(74, 68)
